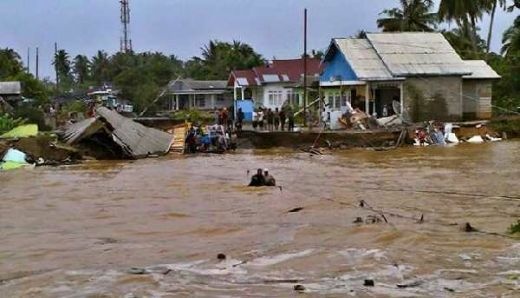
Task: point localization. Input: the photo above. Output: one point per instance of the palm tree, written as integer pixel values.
(81, 68)
(462, 38)
(63, 66)
(494, 5)
(100, 67)
(464, 12)
(511, 39)
(413, 15)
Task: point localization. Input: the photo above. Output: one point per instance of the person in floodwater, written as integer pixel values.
(257, 179)
(269, 179)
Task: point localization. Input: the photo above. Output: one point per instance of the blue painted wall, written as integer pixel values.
(337, 66)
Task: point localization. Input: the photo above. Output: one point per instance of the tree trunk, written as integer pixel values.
(491, 21)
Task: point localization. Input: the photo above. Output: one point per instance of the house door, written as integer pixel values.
(384, 98)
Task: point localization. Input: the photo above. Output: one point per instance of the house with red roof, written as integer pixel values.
(276, 82)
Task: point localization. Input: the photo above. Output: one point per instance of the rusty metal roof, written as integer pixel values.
(417, 53)
(480, 70)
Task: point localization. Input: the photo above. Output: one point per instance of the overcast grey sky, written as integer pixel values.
(182, 27)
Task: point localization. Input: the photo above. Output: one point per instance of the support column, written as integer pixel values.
(177, 102)
(374, 104)
(243, 93)
(213, 100)
(367, 98)
(235, 93)
(401, 97)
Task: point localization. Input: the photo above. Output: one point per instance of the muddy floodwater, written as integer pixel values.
(78, 231)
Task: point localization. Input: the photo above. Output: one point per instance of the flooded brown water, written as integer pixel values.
(76, 231)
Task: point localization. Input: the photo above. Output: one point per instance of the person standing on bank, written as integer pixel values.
(240, 119)
(282, 119)
(276, 119)
(270, 120)
(290, 117)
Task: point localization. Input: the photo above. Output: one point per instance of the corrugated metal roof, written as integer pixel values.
(189, 85)
(363, 59)
(10, 88)
(480, 70)
(417, 53)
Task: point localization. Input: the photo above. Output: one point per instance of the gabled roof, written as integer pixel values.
(417, 53)
(195, 86)
(480, 70)
(11, 88)
(276, 71)
(362, 58)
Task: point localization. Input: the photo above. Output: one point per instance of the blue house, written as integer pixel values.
(373, 72)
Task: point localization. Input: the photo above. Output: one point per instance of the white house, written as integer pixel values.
(272, 84)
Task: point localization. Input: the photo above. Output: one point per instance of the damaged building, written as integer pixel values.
(419, 70)
(109, 135)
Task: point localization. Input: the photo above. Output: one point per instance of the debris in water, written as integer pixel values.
(410, 285)
(468, 228)
(369, 283)
(138, 271)
(421, 220)
(221, 256)
(358, 220)
(297, 209)
(299, 288)
(362, 203)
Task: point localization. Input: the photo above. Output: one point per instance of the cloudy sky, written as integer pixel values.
(182, 27)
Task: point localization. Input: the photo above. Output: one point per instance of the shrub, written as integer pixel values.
(194, 116)
(8, 122)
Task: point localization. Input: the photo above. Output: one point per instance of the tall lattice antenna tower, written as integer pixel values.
(126, 42)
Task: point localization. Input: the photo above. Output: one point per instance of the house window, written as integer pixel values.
(200, 101)
(293, 98)
(275, 98)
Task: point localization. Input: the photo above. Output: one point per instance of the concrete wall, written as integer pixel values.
(447, 87)
(477, 99)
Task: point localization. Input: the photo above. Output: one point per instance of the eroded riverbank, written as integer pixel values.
(75, 231)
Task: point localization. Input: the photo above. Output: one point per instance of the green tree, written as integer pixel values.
(494, 4)
(100, 67)
(413, 15)
(11, 69)
(62, 65)
(10, 63)
(462, 40)
(220, 58)
(511, 39)
(81, 69)
(464, 12)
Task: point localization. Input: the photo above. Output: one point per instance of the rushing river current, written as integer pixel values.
(154, 227)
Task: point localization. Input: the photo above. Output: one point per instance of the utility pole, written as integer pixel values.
(37, 63)
(305, 67)
(28, 60)
(56, 66)
(126, 42)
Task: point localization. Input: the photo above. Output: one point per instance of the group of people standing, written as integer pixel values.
(225, 117)
(274, 120)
